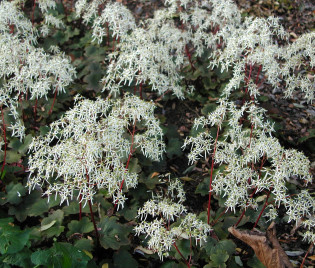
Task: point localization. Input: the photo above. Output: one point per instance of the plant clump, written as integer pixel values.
(87, 148)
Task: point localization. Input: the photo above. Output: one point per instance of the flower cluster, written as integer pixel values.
(115, 18)
(24, 69)
(159, 48)
(164, 209)
(86, 149)
(245, 152)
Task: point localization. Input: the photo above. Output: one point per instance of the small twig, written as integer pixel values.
(308, 251)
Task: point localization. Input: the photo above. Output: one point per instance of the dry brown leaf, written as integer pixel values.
(265, 245)
(154, 174)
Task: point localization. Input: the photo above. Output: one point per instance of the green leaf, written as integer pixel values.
(47, 226)
(44, 130)
(208, 83)
(174, 147)
(151, 182)
(219, 258)
(21, 258)
(227, 245)
(42, 205)
(21, 211)
(263, 98)
(208, 108)
(172, 264)
(12, 239)
(209, 245)
(112, 234)
(83, 226)
(74, 208)
(11, 157)
(129, 212)
(184, 247)
(41, 257)
(14, 193)
(39, 208)
(52, 224)
(203, 187)
(310, 135)
(122, 258)
(134, 166)
(218, 229)
(17, 145)
(84, 244)
(60, 255)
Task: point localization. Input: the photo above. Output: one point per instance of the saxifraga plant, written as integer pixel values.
(254, 162)
(27, 73)
(163, 209)
(90, 148)
(90, 142)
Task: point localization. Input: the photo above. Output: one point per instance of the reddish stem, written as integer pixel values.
(244, 210)
(11, 28)
(222, 213)
(253, 193)
(128, 161)
(190, 250)
(52, 106)
(80, 207)
(5, 140)
(35, 109)
(308, 251)
(211, 173)
(107, 29)
(261, 212)
(177, 249)
(91, 211)
(33, 11)
(94, 224)
(249, 77)
(189, 57)
(174, 244)
(258, 73)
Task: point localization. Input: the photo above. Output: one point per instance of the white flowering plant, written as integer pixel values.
(157, 222)
(90, 148)
(103, 154)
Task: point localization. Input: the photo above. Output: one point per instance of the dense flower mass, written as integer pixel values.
(165, 209)
(245, 152)
(24, 69)
(86, 149)
(184, 46)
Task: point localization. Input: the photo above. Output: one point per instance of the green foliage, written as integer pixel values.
(52, 225)
(113, 234)
(61, 255)
(122, 258)
(83, 226)
(14, 194)
(12, 239)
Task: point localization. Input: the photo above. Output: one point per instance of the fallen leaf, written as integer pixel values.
(154, 174)
(186, 178)
(142, 250)
(265, 245)
(47, 226)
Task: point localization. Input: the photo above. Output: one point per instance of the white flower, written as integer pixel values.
(90, 142)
